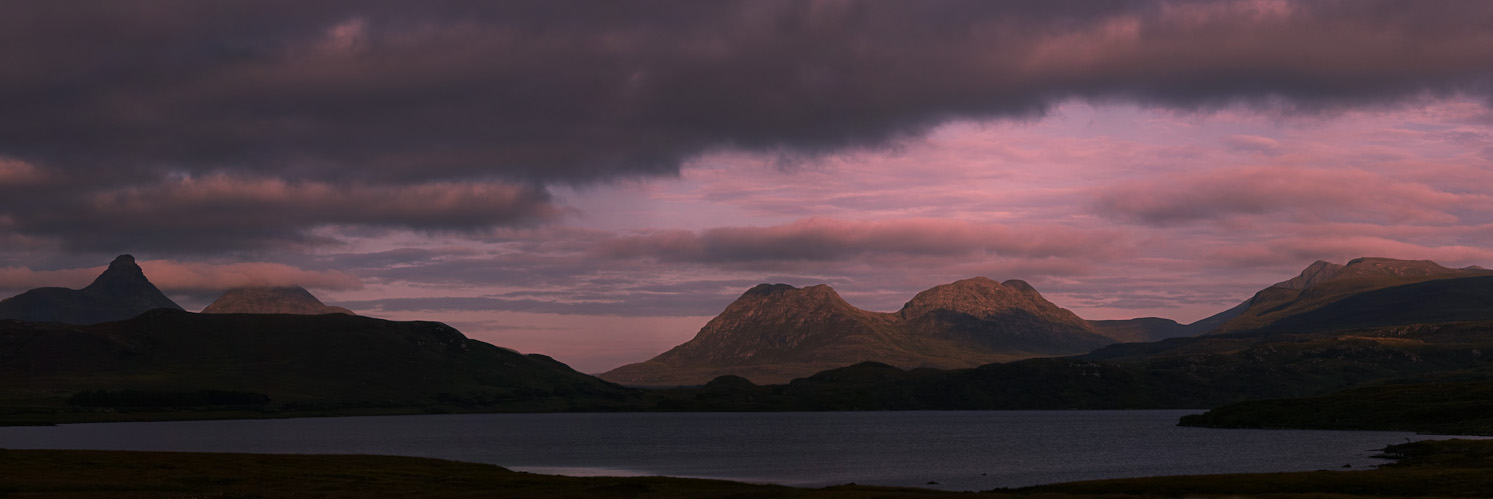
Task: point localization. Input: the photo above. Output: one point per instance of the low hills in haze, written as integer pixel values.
(1142, 329)
(119, 293)
(776, 332)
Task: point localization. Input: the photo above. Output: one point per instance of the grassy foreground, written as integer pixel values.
(1452, 468)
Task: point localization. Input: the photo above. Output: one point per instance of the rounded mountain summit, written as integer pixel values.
(271, 300)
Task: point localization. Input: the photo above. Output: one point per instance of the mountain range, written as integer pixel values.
(775, 332)
(955, 346)
(1399, 322)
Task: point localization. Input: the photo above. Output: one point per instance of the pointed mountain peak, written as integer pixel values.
(120, 292)
(271, 300)
(123, 270)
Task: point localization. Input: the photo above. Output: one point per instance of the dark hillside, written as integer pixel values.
(301, 361)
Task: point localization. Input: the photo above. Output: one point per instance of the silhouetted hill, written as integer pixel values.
(1139, 330)
(271, 300)
(120, 292)
(1215, 321)
(329, 360)
(774, 333)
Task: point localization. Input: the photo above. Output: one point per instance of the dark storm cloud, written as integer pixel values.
(109, 94)
(578, 90)
(224, 213)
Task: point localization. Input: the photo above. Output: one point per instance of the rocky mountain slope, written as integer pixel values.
(120, 292)
(774, 333)
(1354, 328)
(1323, 283)
(271, 300)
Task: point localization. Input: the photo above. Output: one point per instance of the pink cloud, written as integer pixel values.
(434, 204)
(1301, 193)
(16, 172)
(1253, 143)
(223, 212)
(18, 279)
(822, 239)
(172, 275)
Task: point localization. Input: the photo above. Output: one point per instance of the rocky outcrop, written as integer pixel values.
(775, 332)
(119, 293)
(271, 300)
(1318, 271)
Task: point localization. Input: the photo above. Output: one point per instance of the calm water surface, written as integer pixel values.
(973, 450)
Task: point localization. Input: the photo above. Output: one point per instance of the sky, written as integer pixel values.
(595, 180)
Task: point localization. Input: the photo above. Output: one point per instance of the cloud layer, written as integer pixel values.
(219, 213)
(399, 100)
(1308, 194)
(829, 240)
(606, 163)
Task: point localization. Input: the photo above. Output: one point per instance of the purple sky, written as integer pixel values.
(594, 180)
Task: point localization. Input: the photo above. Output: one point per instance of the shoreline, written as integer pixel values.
(1428, 468)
